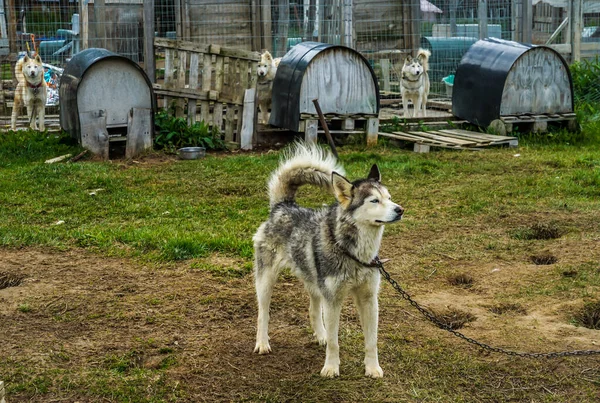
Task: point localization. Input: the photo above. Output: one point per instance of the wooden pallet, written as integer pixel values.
(539, 123)
(451, 138)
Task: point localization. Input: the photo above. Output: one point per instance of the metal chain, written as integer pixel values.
(433, 319)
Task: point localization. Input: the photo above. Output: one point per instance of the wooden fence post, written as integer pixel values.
(149, 61)
(482, 11)
(576, 13)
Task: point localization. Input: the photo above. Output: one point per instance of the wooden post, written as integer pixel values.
(283, 22)
(372, 131)
(482, 10)
(415, 25)
(265, 10)
(11, 17)
(527, 21)
(347, 24)
(325, 22)
(178, 27)
(84, 27)
(248, 119)
(516, 26)
(149, 60)
(2, 393)
(100, 23)
(255, 12)
(139, 131)
(385, 72)
(576, 11)
(453, 7)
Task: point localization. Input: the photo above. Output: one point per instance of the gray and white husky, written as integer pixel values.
(414, 82)
(329, 249)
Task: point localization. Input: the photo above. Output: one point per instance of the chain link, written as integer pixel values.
(433, 319)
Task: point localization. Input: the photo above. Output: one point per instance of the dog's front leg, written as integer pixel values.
(368, 310)
(42, 116)
(405, 106)
(417, 106)
(31, 116)
(331, 311)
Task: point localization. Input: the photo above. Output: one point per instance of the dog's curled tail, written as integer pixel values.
(19, 70)
(423, 56)
(302, 164)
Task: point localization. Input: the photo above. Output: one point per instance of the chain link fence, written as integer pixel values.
(384, 31)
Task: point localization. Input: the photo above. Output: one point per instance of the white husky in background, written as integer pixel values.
(414, 82)
(31, 91)
(330, 249)
(267, 67)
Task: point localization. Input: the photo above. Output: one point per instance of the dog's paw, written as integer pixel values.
(330, 371)
(262, 347)
(321, 339)
(374, 371)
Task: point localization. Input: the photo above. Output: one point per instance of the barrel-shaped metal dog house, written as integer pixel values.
(105, 97)
(339, 77)
(498, 78)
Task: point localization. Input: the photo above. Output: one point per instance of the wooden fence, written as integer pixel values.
(205, 83)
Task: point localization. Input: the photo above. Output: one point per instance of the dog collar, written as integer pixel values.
(34, 86)
(373, 263)
(412, 81)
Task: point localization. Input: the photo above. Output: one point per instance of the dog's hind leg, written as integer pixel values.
(316, 317)
(365, 298)
(265, 277)
(331, 311)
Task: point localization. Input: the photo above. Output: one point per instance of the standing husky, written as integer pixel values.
(329, 249)
(30, 91)
(414, 83)
(267, 67)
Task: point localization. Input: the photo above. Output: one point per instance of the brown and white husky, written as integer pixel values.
(31, 92)
(414, 82)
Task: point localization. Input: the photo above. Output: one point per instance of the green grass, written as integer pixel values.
(478, 207)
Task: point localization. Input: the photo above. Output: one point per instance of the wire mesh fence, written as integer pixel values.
(384, 31)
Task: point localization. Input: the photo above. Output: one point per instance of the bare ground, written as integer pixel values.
(78, 312)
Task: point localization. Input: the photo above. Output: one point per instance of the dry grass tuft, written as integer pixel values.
(540, 231)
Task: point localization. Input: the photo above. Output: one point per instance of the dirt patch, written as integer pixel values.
(77, 315)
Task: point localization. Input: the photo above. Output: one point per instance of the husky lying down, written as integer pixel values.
(325, 248)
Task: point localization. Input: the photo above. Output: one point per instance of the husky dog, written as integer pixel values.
(414, 82)
(329, 249)
(30, 91)
(267, 67)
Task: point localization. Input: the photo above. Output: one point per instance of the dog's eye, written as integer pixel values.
(375, 201)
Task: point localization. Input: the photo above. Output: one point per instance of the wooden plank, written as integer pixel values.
(478, 140)
(180, 82)
(139, 131)
(100, 23)
(576, 11)
(193, 80)
(182, 45)
(94, 136)
(410, 137)
(476, 136)
(2, 392)
(218, 116)
(229, 120)
(372, 130)
(445, 139)
(186, 93)
(204, 111)
(207, 72)
(248, 124)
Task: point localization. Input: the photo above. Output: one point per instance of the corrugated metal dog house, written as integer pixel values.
(339, 77)
(499, 79)
(106, 98)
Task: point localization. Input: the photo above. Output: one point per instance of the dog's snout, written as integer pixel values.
(399, 210)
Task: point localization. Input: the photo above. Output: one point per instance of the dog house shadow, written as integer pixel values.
(107, 102)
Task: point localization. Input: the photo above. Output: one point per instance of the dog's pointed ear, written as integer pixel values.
(374, 174)
(408, 59)
(342, 189)
(268, 56)
(26, 58)
(38, 58)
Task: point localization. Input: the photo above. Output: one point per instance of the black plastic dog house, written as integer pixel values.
(106, 98)
(339, 77)
(498, 78)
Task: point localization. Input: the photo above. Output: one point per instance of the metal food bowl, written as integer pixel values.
(191, 153)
